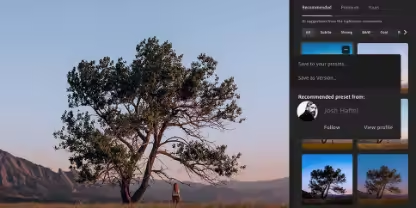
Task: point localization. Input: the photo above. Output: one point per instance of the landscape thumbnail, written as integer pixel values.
(401, 49)
(327, 144)
(382, 179)
(327, 48)
(327, 179)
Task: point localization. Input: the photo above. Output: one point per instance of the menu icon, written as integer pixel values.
(346, 49)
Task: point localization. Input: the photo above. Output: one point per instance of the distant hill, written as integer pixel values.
(308, 195)
(22, 180)
(402, 140)
(364, 195)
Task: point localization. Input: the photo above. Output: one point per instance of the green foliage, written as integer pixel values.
(380, 180)
(118, 110)
(323, 180)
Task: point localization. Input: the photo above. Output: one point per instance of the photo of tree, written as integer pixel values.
(327, 179)
(382, 179)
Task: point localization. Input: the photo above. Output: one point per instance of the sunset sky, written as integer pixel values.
(42, 40)
(405, 118)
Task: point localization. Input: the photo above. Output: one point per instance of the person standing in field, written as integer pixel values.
(176, 196)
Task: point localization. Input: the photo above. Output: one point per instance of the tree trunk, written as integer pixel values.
(381, 192)
(324, 141)
(125, 192)
(326, 191)
(138, 194)
(379, 141)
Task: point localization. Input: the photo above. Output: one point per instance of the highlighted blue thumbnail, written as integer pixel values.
(327, 48)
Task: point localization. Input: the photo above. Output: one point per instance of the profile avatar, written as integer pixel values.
(307, 111)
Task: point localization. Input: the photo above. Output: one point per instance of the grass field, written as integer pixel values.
(327, 201)
(326, 146)
(214, 205)
(404, 90)
(382, 146)
(383, 201)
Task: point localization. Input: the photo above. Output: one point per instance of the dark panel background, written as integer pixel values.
(381, 107)
(359, 71)
(404, 22)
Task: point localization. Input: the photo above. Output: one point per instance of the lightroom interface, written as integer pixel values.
(349, 95)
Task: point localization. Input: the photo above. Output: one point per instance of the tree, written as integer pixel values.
(327, 179)
(323, 141)
(379, 141)
(380, 180)
(117, 111)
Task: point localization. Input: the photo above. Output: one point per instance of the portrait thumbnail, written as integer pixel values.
(326, 48)
(307, 111)
(382, 179)
(401, 49)
(390, 144)
(327, 179)
(327, 144)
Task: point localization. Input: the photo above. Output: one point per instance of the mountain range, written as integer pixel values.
(308, 195)
(24, 181)
(364, 195)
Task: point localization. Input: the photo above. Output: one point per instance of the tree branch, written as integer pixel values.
(164, 176)
(196, 168)
(173, 139)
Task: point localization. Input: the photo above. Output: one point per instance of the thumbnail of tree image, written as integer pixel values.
(380, 180)
(323, 180)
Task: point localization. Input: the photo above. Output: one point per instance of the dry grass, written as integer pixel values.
(327, 146)
(383, 201)
(327, 201)
(214, 205)
(383, 146)
(404, 90)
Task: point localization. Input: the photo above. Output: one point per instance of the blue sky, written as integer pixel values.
(42, 40)
(312, 162)
(405, 118)
(324, 47)
(375, 161)
(388, 48)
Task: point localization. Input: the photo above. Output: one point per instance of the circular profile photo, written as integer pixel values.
(307, 111)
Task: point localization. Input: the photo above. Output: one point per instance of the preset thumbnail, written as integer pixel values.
(327, 144)
(327, 48)
(327, 179)
(390, 144)
(382, 179)
(390, 48)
